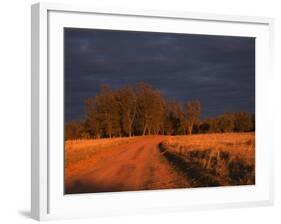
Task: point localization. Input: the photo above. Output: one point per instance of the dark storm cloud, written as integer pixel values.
(218, 70)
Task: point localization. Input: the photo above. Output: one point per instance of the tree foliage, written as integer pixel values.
(229, 122)
(143, 110)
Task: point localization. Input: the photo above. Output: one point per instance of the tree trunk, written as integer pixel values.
(144, 129)
(190, 129)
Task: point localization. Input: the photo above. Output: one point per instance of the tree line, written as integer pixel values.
(143, 110)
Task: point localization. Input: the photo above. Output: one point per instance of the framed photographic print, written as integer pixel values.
(138, 111)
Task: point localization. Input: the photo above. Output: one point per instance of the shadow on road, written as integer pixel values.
(196, 176)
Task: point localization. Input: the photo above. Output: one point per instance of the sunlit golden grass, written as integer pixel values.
(76, 150)
(237, 143)
(229, 157)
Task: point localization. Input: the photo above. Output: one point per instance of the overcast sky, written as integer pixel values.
(217, 70)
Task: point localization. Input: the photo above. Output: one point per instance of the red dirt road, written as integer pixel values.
(135, 166)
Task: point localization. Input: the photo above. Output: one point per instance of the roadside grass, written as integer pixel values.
(213, 159)
(77, 150)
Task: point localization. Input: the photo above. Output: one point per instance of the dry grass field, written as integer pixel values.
(214, 159)
(76, 150)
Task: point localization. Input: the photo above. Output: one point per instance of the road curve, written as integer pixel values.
(135, 166)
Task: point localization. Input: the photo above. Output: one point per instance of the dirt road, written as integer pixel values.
(135, 166)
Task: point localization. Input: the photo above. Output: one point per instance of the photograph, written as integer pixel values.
(157, 110)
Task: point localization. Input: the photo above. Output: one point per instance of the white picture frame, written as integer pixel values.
(48, 201)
